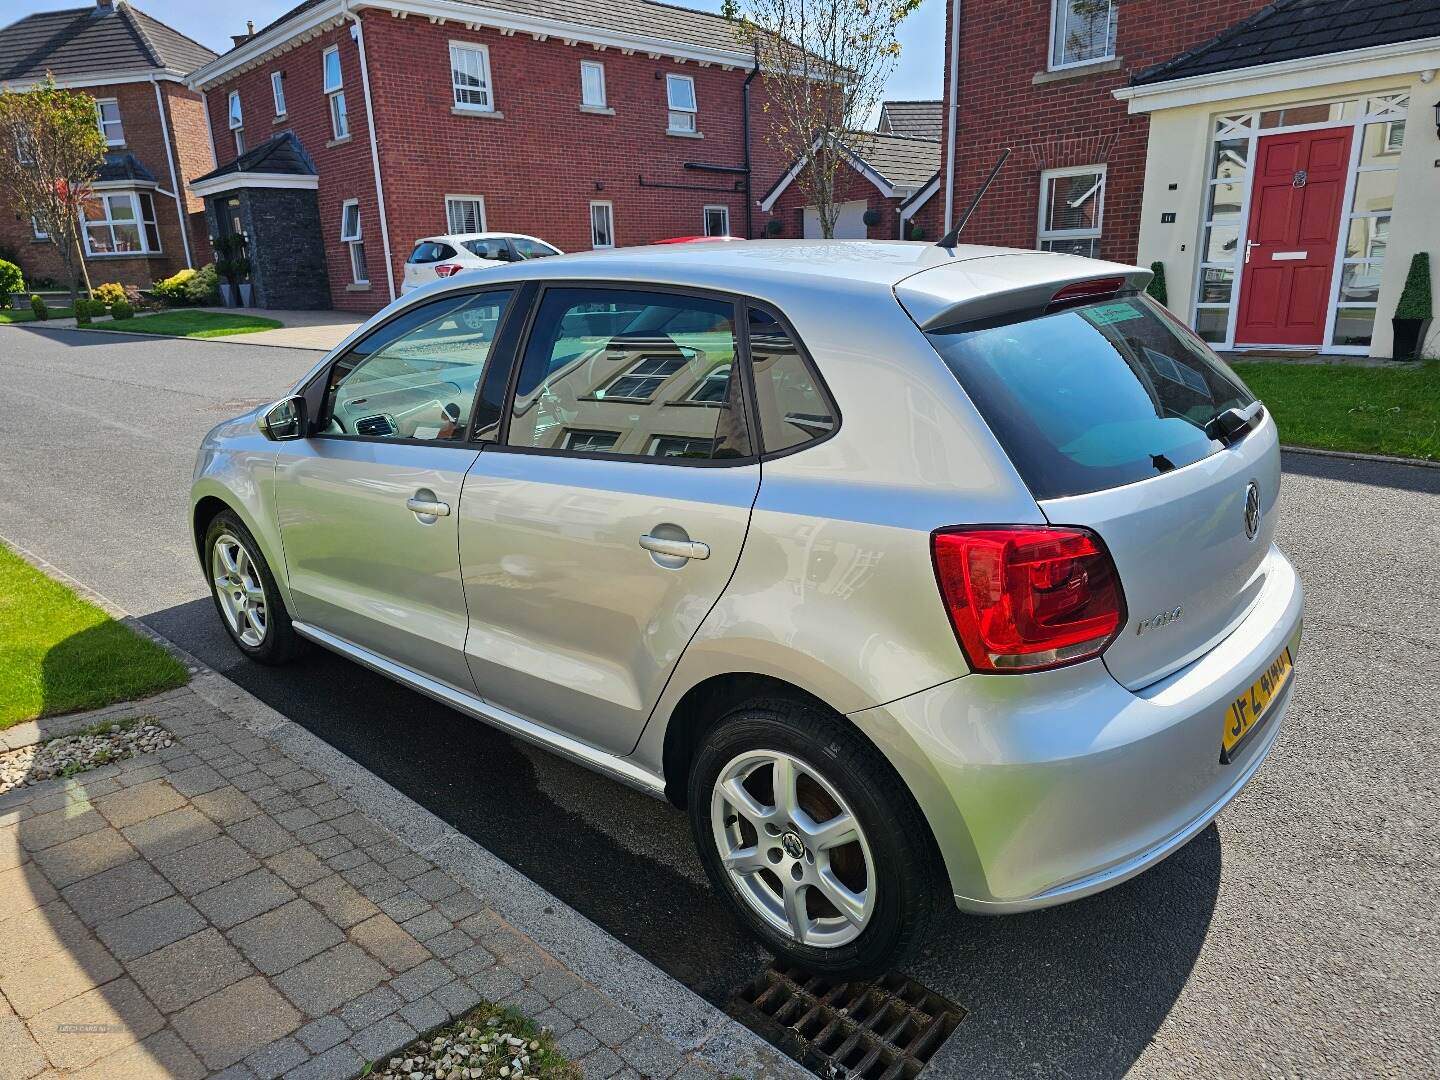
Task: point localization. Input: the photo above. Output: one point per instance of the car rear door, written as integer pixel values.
(368, 504)
(605, 520)
(420, 266)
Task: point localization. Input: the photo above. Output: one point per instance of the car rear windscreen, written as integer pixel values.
(1094, 397)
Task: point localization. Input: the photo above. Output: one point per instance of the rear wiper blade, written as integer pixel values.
(1232, 425)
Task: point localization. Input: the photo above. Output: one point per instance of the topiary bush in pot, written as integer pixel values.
(1157, 287)
(1414, 311)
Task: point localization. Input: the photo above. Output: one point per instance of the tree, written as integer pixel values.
(825, 63)
(51, 151)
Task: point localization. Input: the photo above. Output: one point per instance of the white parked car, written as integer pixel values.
(438, 257)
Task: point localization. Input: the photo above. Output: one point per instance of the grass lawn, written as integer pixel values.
(1373, 410)
(200, 324)
(11, 316)
(59, 653)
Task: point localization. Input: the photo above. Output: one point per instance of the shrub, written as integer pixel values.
(82, 312)
(203, 287)
(1415, 298)
(1157, 287)
(121, 309)
(40, 308)
(172, 289)
(774, 227)
(108, 293)
(11, 281)
(917, 232)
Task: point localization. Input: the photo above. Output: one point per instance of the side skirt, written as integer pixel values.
(627, 772)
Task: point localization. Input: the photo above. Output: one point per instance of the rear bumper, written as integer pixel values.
(1049, 787)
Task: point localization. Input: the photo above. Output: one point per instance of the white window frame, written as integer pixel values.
(1094, 232)
(487, 80)
(139, 208)
(705, 220)
(277, 91)
(239, 134)
(236, 116)
(599, 69)
(353, 239)
(24, 146)
(609, 208)
(36, 230)
(454, 200)
(335, 94)
(1059, 13)
(102, 123)
(688, 117)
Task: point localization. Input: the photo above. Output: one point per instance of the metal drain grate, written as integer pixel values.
(883, 1030)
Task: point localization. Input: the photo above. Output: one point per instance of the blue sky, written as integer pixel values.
(919, 73)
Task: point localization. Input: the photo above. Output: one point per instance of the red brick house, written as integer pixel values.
(884, 191)
(1039, 76)
(142, 224)
(624, 124)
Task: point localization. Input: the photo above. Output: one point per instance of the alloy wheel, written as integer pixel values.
(793, 848)
(238, 587)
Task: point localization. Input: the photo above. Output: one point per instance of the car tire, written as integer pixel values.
(893, 855)
(245, 594)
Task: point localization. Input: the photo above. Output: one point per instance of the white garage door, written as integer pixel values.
(849, 223)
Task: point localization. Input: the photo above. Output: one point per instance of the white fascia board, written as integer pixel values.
(920, 197)
(124, 185)
(231, 181)
(258, 49)
(886, 189)
(87, 81)
(1302, 73)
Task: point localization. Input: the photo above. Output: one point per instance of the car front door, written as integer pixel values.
(604, 522)
(368, 503)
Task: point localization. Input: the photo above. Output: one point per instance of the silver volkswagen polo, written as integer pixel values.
(912, 574)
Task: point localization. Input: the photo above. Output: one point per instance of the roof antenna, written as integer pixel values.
(951, 238)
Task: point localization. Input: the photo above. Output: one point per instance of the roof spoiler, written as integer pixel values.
(1007, 300)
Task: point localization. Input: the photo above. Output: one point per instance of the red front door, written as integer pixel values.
(1295, 207)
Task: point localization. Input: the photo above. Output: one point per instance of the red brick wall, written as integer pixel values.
(144, 139)
(1072, 121)
(538, 167)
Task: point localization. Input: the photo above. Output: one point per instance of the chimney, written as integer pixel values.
(240, 39)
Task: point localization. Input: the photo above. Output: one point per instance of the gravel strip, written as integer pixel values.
(488, 1043)
(73, 754)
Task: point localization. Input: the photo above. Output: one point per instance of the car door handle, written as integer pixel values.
(676, 549)
(428, 507)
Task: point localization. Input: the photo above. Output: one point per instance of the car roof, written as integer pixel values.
(761, 267)
(460, 238)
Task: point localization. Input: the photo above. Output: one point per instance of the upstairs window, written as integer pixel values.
(24, 146)
(1081, 32)
(335, 92)
(592, 84)
(680, 97)
(237, 116)
(1072, 203)
(470, 77)
(350, 235)
(277, 90)
(107, 117)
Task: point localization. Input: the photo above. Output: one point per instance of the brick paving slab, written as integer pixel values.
(221, 909)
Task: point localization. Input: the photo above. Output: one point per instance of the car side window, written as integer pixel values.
(532, 249)
(632, 373)
(415, 377)
(793, 407)
(496, 249)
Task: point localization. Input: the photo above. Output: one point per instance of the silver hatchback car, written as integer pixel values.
(912, 574)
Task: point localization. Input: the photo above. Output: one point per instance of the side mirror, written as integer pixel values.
(284, 420)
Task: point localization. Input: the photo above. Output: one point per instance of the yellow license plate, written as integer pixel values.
(1246, 711)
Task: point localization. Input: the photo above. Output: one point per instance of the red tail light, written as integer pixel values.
(447, 269)
(1025, 598)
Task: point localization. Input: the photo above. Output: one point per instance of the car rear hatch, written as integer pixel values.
(1122, 422)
